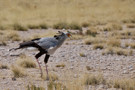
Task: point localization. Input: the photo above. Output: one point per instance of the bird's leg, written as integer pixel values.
(46, 60)
(37, 56)
(47, 71)
(40, 67)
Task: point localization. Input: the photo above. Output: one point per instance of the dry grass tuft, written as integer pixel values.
(3, 66)
(8, 35)
(124, 84)
(46, 34)
(114, 42)
(40, 26)
(131, 25)
(88, 68)
(55, 86)
(77, 37)
(26, 62)
(19, 27)
(118, 51)
(52, 77)
(75, 26)
(12, 35)
(112, 26)
(91, 31)
(85, 24)
(64, 25)
(2, 42)
(34, 87)
(82, 54)
(94, 40)
(98, 46)
(61, 65)
(131, 45)
(61, 25)
(18, 71)
(125, 34)
(94, 79)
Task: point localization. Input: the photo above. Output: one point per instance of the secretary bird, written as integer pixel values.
(46, 45)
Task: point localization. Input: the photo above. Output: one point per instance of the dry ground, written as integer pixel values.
(74, 55)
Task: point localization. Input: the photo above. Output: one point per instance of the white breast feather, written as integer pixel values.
(51, 50)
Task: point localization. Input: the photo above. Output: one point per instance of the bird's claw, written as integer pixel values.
(47, 78)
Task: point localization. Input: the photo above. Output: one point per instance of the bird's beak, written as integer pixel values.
(69, 35)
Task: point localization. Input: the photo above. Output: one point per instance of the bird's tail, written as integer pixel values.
(25, 45)
(14, 49)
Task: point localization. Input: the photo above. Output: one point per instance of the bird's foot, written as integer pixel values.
(47, 78)
(41, 75)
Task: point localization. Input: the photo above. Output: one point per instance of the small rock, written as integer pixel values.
(133, 71)
(14, 79)
(125, 72)
(75, 75)
(71, 67)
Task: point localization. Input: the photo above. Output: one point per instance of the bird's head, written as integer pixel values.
(68, 34)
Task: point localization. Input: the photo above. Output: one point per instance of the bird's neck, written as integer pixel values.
(61, 41)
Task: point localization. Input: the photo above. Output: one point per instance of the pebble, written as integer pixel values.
(125, 72)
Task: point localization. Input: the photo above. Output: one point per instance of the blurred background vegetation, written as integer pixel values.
(34, 13)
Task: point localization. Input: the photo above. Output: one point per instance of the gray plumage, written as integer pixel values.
(51, 43)
(47, 45)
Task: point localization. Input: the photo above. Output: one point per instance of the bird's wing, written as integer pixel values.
(47, 43)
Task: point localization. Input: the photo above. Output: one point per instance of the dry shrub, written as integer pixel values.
(90, 79)
(18, 71)
(26, 62)
(52, 77)
(112, 26)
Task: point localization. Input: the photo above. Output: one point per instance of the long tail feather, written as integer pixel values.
(14, 49)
